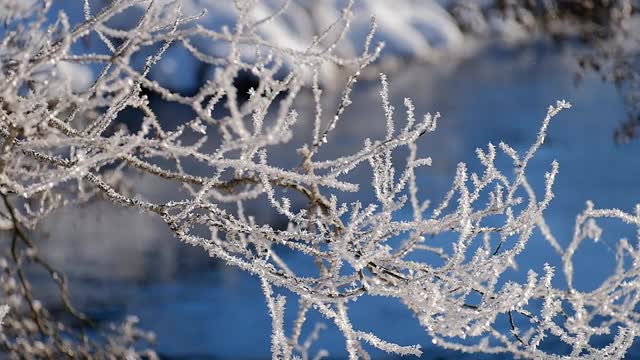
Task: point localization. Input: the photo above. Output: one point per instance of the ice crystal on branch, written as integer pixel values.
(64, 143)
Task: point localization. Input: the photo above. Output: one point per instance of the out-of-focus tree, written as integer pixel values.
(604, 36)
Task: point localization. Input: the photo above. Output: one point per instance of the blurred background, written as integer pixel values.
(491, 68)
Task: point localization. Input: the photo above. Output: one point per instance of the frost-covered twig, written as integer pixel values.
(65, 145)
